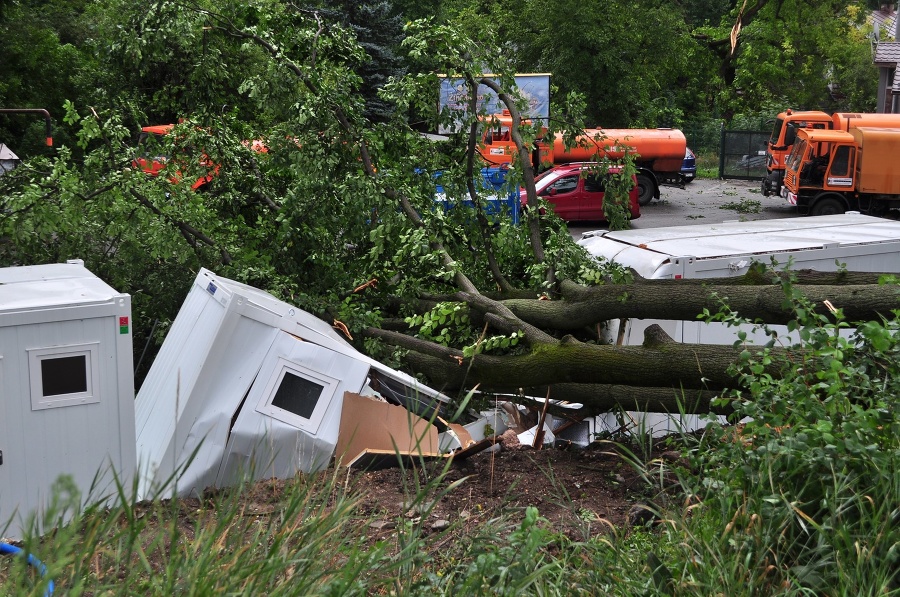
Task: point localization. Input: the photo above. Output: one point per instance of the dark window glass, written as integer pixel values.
(841, 164)
(776, 131)
(64, 375)
(297, 395)
(566, 184)
(594, 183)
(791, 134)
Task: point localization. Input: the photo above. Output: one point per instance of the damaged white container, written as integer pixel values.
(850, 241)
(247, 386)
(66, 389)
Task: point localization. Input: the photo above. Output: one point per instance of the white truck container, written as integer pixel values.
(66, 389)
(850, 241)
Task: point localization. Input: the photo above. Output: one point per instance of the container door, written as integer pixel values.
(842, 168)
(12, 495)
(4, 454)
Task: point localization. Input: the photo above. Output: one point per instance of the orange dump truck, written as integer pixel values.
(659, 153)
(830, 172)
(789, 122)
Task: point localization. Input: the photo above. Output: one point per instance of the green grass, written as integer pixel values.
(707, 165)
(313, 542)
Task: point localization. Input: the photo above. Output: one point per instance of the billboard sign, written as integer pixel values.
(454, 94)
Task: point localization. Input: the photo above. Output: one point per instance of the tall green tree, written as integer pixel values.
(379, 33)
(628, 59)
(41, 59)
(796, 52)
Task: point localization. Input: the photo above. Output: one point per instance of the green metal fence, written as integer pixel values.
(738, 153)
(742, 154)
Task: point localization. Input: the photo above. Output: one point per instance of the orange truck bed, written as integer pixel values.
(877, 167)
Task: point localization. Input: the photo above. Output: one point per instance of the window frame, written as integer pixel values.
(91, 395)
(283, 366)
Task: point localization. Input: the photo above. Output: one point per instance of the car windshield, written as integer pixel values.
(779, 123)
(796, 154)
(546, 179)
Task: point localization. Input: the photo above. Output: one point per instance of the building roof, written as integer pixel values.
(887, 53)
(6, 153)
(885, 20)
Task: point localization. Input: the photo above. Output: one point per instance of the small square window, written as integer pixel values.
(64, 375)
(296, 395)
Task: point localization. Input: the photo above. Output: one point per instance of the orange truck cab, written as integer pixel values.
(831, 172)
(790, 122)
(659, 153)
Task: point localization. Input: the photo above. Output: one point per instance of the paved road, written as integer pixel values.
(705, 201)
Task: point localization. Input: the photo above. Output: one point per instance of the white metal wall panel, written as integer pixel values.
(211, 356)
(857, 242)
(259, 305)
(75, 439)
(177, 366)
(223, 379)
(865, 242)
(267, 447)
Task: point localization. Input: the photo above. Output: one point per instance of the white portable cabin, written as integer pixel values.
(850, 241)
(247, 386)
(66, 388)
(8, 160)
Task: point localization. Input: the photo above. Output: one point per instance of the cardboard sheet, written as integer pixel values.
(369, 426)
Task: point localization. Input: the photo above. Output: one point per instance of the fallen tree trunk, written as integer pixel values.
(583, 306)
(657, 364)
(659, 376)
(601, 398)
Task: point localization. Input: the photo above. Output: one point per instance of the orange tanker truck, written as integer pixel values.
(659, 153)
(831, 172)
(789, 122)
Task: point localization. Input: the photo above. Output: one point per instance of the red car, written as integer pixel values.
(576, 192)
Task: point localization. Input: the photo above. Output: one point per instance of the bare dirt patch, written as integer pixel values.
(577, 490)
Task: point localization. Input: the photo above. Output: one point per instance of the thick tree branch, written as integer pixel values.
(483, 225)
(602, 398)
(665, 365)
(534, 227)
(671, 301)
(504, 319)
(461, 280)
(190, 234)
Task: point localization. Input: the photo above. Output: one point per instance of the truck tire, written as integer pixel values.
(646, 189)
(828, 205)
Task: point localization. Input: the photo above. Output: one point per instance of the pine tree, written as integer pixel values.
(379, 32)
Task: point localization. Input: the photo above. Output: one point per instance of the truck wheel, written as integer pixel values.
(828, 206)
(646, 189)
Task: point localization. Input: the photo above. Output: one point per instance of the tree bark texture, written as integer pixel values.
(663, 365)
(584, 307)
